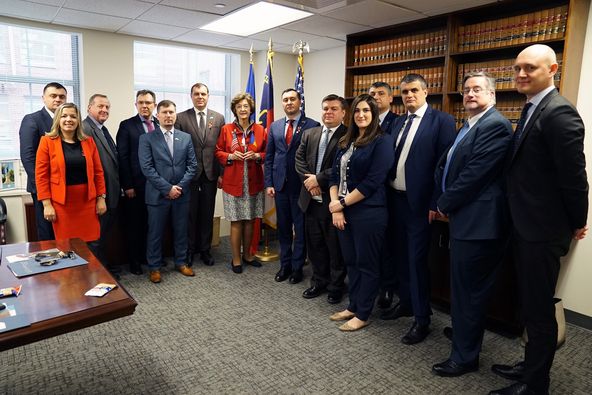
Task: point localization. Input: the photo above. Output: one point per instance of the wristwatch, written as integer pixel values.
(103, 196)
(342, 201)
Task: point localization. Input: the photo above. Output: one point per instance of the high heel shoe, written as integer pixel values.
(236, 268)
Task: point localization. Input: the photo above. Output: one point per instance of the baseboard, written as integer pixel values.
(578, 319)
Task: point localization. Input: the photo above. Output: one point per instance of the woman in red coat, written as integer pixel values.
(69, 178)
(241, 150)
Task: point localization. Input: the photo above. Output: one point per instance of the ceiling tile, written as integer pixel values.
(150, 29)
(258, 45)
(323, 26)
(57, 3)
(121, 8)
(26, 10)
(321, 43)
(373, 13)
(437, 7)
(89, 20)
(201, 37)
(208, 5)
(177, 17)
(282, 36)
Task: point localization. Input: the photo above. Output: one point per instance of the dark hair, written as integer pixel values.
(292, 90)
(372, 131)
(93, 97)
(165, 103)
(56, 85)
(382, 84)
(340, 99)
(142, 92)
(409, 78)
(240, 97)
(199, 85)
(56, 130)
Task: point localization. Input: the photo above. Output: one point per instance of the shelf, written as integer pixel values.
(422, 61)
(556, 44)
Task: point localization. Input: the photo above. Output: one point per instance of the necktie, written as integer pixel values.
(168, 136)
(322, 148)
(461, 134)
(109, 140)
(290, 131)
(520, 127)
(399, 147)
(202, 125)
(149, 125)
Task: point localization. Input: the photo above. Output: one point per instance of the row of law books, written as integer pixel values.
(434, 77)
(510, 108)
(417, 46)
(502, 70)
(399, 108)
(541, 25)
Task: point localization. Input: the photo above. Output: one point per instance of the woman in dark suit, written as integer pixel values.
(69, 177)
(358, 207)
(241, 150)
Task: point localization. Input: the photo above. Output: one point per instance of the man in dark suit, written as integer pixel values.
(383, 94)
(203, 124)
(470, 178)
(283, 184)
(33, 126)
(94, 126)
(168, 161)
(423, 136)
(547, 191)
(132, 179)
(314, 164)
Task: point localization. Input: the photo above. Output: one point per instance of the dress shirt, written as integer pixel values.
(535, 100)
(382, 116)
(319, 159)
(51, 114)
(294, 124)
(143, 120)
(399, 182)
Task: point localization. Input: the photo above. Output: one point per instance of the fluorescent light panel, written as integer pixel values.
(255, 18)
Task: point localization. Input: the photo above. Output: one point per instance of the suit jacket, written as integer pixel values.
(280, 158)
(163, 171)
(128, 137)
(474, 199)
(204, 148)
(436, 132)
(307, 158)
(547, 186)
(33, 127)
(109, 161)
(232, 182)
(50, 170)
(388, 124)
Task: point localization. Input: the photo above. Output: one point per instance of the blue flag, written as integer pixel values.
(266, 112)
(251, 89)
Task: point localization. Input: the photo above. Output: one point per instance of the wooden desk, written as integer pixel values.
(55, 301)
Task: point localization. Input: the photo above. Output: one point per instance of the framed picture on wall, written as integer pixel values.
(8, 176)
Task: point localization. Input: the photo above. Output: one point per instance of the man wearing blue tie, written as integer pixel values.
(167, 159)
(470, 178)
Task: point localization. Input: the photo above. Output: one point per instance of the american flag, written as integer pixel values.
(299, 82)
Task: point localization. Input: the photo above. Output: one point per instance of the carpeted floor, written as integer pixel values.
(221, 332)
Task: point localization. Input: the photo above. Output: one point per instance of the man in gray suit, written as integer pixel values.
(204, 127)
(94, 126)
(314, 164)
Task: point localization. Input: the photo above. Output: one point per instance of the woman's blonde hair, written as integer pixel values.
(55, 127)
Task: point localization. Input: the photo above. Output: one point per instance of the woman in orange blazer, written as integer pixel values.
(241, 150)
(69, 177)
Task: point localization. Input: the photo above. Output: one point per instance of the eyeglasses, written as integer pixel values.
(476, 90)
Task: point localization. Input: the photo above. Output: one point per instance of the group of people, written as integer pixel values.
(356, 200)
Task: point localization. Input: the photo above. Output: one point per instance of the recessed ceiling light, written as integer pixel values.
(266, 16)
(219, 5)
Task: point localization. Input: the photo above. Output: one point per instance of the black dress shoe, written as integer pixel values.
(448, 333)
(510, 372)
(334, 297)
(283, 274)
(449, 368)
(396, 312)
(385, 299)
(296, 277)
(236, 268)
(254, 262)
(206, 258)
(514, 389)
(416, 334)
(136, 269)
(312, 292)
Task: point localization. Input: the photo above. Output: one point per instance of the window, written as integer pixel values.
(170, 71)
(29, 59)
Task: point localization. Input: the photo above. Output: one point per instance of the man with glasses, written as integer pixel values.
(470, 178)
(131, 178)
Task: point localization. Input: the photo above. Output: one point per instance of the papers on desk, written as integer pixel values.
(12, 317)
(100, 289)
(22, 265)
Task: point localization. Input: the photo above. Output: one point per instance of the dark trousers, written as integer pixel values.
(388, 269)
(361, 245)
(290, 225)
(537, 267)
(328, 269)
(157, 218)
(44, 228)
(99, 247)
(473, 271)
(201, 214)
(412, 238)
(136, 228)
